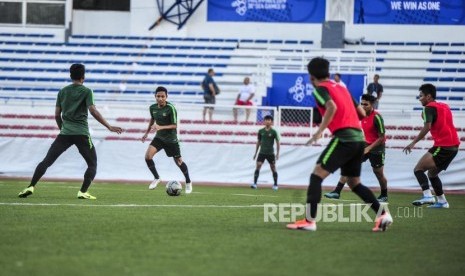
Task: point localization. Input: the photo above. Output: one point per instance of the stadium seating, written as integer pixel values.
(31, 63)
(34, 66)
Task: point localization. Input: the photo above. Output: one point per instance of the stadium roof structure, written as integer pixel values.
(177, 13)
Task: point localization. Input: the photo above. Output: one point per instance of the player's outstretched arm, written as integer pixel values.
(149, 128)
(96, 114)
(327, 118)
(420, 136)
(159, 127)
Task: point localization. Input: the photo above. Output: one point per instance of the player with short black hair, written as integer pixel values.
(438, 120)
(341, 115)
(164, 121)
(375, 139)
(73, 103)
(266, 138)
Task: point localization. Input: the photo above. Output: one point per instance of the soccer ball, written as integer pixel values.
(173, 188)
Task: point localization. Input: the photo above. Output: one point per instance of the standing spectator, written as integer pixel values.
(375, 89)
(244, 97)
(438, 120)
(337, 79)
(210, 90)
(73, 104)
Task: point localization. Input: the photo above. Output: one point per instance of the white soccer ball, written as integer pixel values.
(173, 188)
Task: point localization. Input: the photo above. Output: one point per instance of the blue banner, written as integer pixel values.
(431, 12)
(291, 89)
(285, 11)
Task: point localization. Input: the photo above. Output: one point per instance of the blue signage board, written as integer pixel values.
(429, 12)
(293, 89)
(283, 11)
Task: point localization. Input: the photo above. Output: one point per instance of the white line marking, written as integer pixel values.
(148, 191)
(252, 195)
(129, 205)
(156, 205)
(346, 200)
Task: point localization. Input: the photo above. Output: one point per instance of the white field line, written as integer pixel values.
(151, 205)
(148, 191)
(129, 205)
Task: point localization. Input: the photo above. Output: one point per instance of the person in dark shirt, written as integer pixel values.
(266, 138)
(375, 89)
(164, 120)
(72, 106)
(210, 91)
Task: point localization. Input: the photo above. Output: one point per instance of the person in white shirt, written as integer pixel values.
(337, 79)
(246, 93)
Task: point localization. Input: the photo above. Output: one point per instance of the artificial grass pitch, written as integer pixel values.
(130, 230)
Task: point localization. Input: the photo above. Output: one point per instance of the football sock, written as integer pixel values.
(437, 185)
(367, 196)
(339, 187)
(38, 173)
(427, 193)
(442, 198)
(314, 195)
(422, 180)
(384, 192)
(255, 176)
(89, 175)
(151, 166)
(275, 178)
(85, 185)
(185, 171)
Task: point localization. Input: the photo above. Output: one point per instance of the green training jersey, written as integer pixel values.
(266, 139)
(164, 116)
(74, 101)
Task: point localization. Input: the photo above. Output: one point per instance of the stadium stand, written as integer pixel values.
(34, 66)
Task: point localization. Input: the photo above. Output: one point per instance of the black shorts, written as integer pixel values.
(344, 155)
(376, 159)
(209, 99)
(443, 156)
(171, 149)
(269, 157)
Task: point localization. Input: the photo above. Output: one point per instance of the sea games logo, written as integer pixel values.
(243, 5)
(300, 90)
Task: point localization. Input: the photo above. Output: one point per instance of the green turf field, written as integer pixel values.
(130, 230)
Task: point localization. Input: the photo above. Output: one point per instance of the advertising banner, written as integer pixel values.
(293, 89)
(283, 11)
(430, 12)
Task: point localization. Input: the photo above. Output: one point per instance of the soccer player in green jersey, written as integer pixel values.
(266, 138)
(72, 104)
(164, 120)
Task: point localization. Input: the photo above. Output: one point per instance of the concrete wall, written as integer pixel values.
(144, 13)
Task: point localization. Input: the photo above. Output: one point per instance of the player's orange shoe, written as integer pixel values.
(303, 225)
